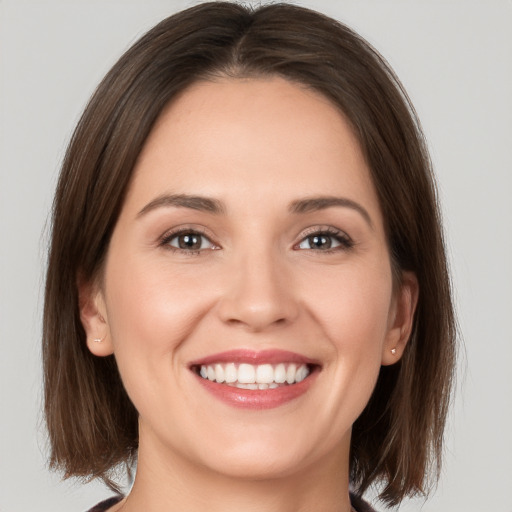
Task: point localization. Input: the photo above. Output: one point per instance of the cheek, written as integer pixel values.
(151, 311)
(353, 306)
(150, 303)
(353, 311)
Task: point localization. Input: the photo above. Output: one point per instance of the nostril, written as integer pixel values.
(256, 321)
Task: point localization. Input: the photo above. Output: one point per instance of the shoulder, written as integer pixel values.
(105, 505)
(359, 504)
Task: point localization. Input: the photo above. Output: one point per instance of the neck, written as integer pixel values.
(172, 483)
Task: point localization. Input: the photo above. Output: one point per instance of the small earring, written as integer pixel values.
(99, 340)
(393, 351)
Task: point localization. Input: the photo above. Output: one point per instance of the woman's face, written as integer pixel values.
(250, 249)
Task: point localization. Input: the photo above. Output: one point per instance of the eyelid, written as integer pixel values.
(164, 239)
(325, 229)
(343, 238)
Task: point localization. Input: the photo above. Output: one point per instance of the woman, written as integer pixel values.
(247, 289)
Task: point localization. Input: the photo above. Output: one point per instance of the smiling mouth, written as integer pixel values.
(256, 380)
(254, 376)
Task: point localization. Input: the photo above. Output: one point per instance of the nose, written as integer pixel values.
(258, 293)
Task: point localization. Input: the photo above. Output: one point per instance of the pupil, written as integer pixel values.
(320, 241)
(189, 242)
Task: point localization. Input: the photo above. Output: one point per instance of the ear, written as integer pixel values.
(93, 314)
(401, 319)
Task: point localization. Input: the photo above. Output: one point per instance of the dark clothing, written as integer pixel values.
(105, 505)
(359, 504)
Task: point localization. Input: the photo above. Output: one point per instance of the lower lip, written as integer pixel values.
(257, 398)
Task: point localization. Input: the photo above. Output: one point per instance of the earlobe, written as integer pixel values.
(401, 324)
(94, 319)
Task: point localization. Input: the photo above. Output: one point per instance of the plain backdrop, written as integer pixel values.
(454, 58)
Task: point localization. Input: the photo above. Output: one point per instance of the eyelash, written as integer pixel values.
(168, 237)
(345, 242)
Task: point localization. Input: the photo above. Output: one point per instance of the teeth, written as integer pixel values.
(264, 374)
(219, 373)
(248, 376)
(230, 373)
(290, 373)
(301, 374)
(280, 373)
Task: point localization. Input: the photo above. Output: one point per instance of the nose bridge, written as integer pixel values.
(258, 292)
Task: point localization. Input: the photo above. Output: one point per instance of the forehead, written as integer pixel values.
(269, 138)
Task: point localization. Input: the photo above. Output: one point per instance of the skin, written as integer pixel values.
(256, 146)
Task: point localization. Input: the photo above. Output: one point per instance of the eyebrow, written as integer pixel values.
(312, 204)
(205, 204)
(210, 205)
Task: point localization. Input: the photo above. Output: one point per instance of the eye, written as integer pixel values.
(189, 241)
(325, 240)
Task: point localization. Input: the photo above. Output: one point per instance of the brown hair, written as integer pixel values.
(91, 422)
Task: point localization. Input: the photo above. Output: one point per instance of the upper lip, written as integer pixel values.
(272, 356)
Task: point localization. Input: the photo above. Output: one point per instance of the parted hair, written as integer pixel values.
(92, 424)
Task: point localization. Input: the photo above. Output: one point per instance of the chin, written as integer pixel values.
(261, 455)
(261, 466)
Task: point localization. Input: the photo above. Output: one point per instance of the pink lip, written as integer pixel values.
(254, 357)
(257, 398)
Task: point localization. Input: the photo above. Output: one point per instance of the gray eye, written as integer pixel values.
(319, 241)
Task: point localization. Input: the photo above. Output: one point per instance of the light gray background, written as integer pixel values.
(455, 59)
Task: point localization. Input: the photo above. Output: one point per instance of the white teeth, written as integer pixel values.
(290, 374)
(280, 373)
(231, 373)
(219, 373)
(242, 385)
(301, 374)
(264, 374)
(248, 376)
